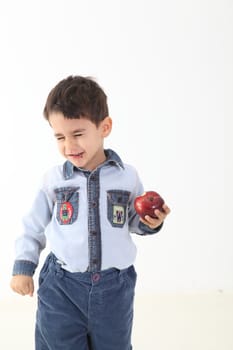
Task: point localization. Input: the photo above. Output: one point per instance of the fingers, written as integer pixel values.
(155, 222)
(31, 290)
(28, 289)
(166, 209)
(161, 215)
(18, 290)
(22, 285)
(151, 222)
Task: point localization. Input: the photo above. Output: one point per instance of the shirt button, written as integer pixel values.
(96, 277)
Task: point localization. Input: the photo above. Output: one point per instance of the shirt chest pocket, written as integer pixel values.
(67, 204)
(117, 202)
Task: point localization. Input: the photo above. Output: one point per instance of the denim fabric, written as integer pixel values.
(84, 311)
(24, 267)
(94, 227)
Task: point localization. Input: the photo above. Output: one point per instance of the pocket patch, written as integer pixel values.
(67, 200)
(117, 207)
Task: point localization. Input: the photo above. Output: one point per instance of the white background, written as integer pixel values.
(167, 68)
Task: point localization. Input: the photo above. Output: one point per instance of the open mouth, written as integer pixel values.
(76, 155)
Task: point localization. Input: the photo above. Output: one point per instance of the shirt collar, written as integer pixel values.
(112, 159)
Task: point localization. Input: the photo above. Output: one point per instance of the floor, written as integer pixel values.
(193, 321)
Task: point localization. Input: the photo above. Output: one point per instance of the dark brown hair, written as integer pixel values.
(77, 97)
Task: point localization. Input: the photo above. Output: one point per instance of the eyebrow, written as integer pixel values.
(73, 132)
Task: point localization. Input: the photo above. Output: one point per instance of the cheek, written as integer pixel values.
(61, 148)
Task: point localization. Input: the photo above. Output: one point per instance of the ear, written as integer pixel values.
(106, 126)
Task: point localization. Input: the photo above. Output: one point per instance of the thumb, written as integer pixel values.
(31, 288)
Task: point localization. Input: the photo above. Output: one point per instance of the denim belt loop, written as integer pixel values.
(58, 268)
(123, 271)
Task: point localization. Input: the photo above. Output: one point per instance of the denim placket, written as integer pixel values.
(94, 232)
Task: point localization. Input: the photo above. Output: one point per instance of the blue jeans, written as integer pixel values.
(84, 311)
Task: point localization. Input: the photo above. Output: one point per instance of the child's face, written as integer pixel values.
(79, 140)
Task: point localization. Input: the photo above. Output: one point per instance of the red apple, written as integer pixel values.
(147, 203)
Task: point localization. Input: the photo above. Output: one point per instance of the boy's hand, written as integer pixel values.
(161, 215)
(22, 285)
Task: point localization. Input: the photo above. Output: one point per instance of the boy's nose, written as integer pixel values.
(70, 145)
(70, 141)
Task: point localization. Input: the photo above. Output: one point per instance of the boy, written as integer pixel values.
(84, 208)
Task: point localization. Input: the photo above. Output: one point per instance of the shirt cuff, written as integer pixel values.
(149, 231)
(24, 267)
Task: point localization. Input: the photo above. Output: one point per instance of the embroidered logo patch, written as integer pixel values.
(66, 212)
(118, 214)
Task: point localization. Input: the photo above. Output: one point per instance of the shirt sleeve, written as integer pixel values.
(32, 241)
(135, 225)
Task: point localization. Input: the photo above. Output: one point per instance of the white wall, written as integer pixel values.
(167, 67)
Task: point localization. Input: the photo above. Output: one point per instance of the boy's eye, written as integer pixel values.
(59, 138)
(77, 135)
